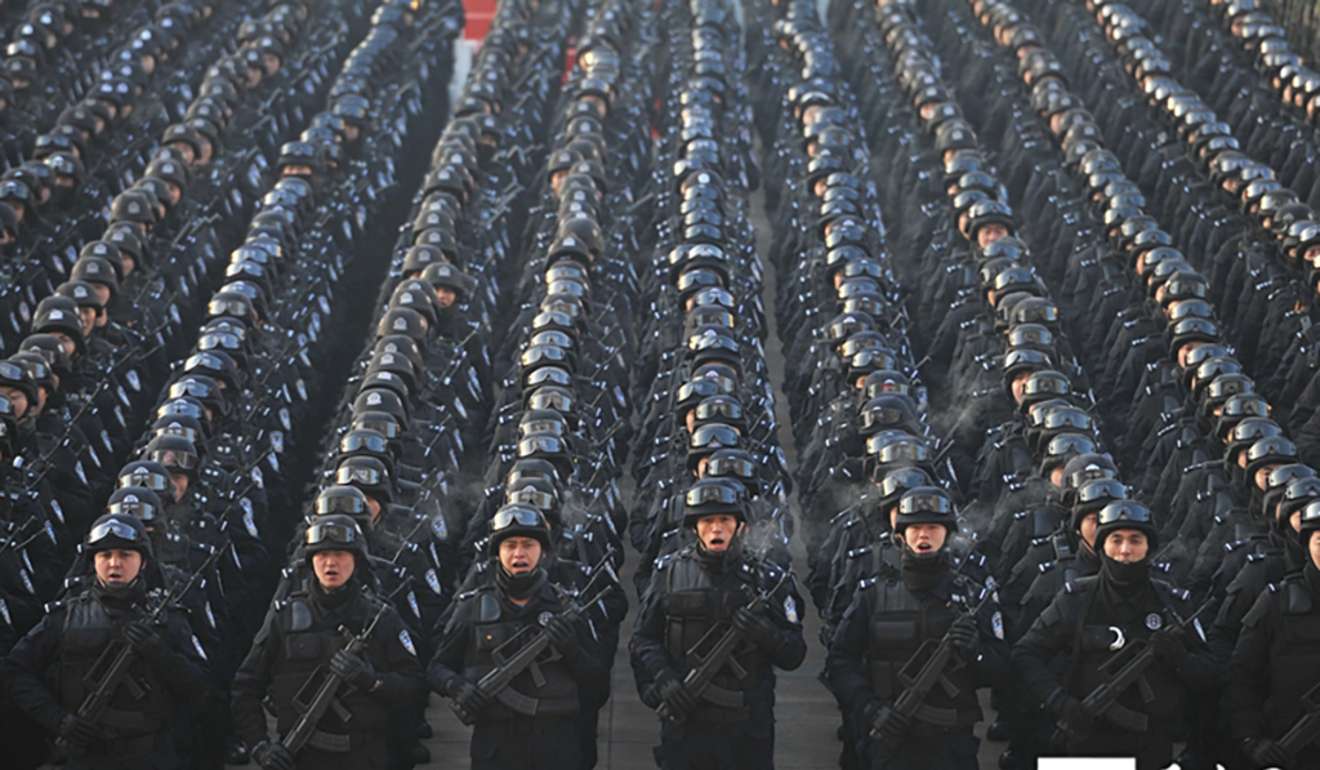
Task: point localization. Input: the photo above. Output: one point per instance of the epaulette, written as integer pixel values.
(663, 561)
(1078, 585)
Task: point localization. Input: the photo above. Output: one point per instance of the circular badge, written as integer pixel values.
(1154, 621)
(544, 618)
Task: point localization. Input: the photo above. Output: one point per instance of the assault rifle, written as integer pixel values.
(929, 667)
(1306, 730)
(1127, 667)
(495, 684)
(700, 679)
(116, 660)
(325, 696)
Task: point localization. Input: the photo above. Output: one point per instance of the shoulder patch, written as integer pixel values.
(790, 610)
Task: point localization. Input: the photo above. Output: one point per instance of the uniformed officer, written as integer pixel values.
(63, 660)
(305, 638)
(530, 721)
(699, 595)
(1070, 649)
(1274, 677)
(893, 629)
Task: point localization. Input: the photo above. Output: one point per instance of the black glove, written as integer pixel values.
(677, 698)
(353, 669)
(1170, 645)
(965, 636)
(272, 756)
(1076, 721)
(562, 635)
(144, 638)
(755, 626)
(471, 701)
(888, 725)
(77, 731)
(1266, 753)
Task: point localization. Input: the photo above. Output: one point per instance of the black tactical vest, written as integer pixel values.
(1295, 650)
(498, 633)
(307, 642)
(699, 608)
(900, 623)
(1101, 637)
(139, 707)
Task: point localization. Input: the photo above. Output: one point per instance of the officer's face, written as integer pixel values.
(180, 483)
(445, 296)
(1295, 521)
(88, 317)
(1018, 385)
(990, 233)
(1056, 476)
(716, 532)
(1127, 545)
(373, 507)
(925, 539)
(520, 555)
(702, 464)
(1087, 529)
(1263, 476)
(66, 342)
(116, 568)
(17, 398)
(1315, 549)
(103, 292)
(333, 568)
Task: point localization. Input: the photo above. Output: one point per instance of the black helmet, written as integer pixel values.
(517, 520)
(710, 497)
(1094, 495)
(176, 453)
(368, 474)
(117, 531)
(1274, 450)
(732, 464)
(14, 375)
(335, 532)
(898, 482)
(1125, 514)
(925, 505)
(888, 412)
(138, 502)
(337, 499)
(1310, 523)
(146, 474)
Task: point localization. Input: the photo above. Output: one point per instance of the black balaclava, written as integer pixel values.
(520, 586)
(923, 572)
